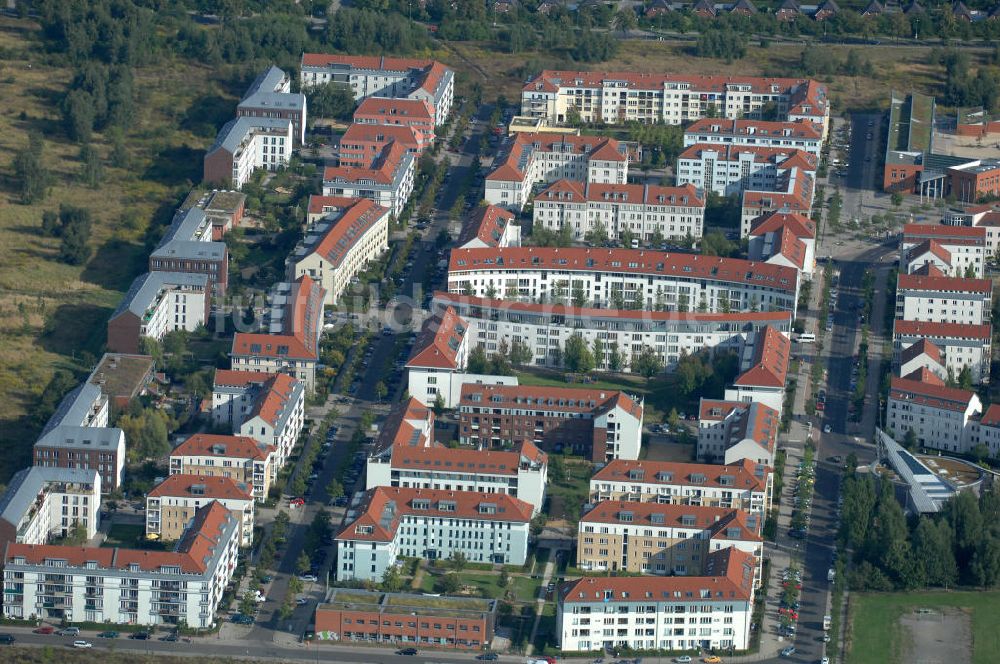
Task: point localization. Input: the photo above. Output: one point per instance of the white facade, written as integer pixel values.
(668, 613)
(619, 97)
(160, 505)
(545, 331)
(43, 503)
(521, 473)
(246, 144)
(335, 249)
(955, 250)
(643, 210)
(728, 170)
(795, 135)
(431, 524)
(960, 345)
(388, 184)
(650, 281)
(279, 418)
(426, 383)
(944, 299)
(122, 586)
(942, 418)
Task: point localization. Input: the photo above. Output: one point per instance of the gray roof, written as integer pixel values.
(26, 484)
(147, 287)
(263, 92)
(928, 493)
(184, 237)
(75, 406)
(72, 437)
(234, 132)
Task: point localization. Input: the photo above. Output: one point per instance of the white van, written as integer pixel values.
(806, 338)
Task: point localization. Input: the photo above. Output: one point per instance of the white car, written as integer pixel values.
(683, 659)
(82, 644)
(827, 429)
(301, 601)
(310, 578)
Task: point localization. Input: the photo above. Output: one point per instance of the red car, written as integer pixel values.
(45, 629)
(297, 502)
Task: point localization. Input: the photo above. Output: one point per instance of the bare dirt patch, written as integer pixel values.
(936, 636)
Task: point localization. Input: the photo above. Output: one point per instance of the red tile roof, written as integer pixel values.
(929, 270)
(571, 191)
(944, 284)
(764, 317)
(399, 426)
(231, 447)
(924, 375)
(396, 111)
(800, 225)
(792, 193)
(930, 246)
(557, 399)
(759, 423)
(208, 487)
(229, 378)
(922, 347)
(511, 165)
(991, 417)
(303, 318)
(487, 223)
(743, 474)
(194, 551)
(770, 360)
(274, 399)
(713, 519)
(381, 171)
(377, 62)
(757, 128)
(729, 575)
(783, 157)
(933, 396)
(439, 341)
(380, 133)
(465, 460)
(717, 410)
(628, 261)
(554, 78)
(915, 328)
(915, 232)
(349, 227)
(327, 204)
(383, 508)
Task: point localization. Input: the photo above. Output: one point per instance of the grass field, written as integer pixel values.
(53, 315)
(875, 634)
(125, 535)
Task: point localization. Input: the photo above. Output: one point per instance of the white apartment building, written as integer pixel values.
(962, 345)
(802, 135)
(732, 169)
(936, 298)
(645, 211)
(784, 239)
(652, 281)
(922, 355)
(271, 96)
(84, 406)
(158, 303)
(40, 504)
(520, 472)
(339, 246)
(246, 144)
(744, 484)
(277, 416)
(126, 586)
(619, 97)
(764, 367)
(732, 432)
(792, 193)
(662, 539)
(546, 328)
(84, 447)
(172, 503)
(942, 418)
(239, 458)
(954, 250)
(437, 363)
(387, 182)
(431, 524)
(380, 76)
(989, 430)
(294, 324)
(711, 611)
(527, 160)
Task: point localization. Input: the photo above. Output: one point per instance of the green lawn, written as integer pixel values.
(525, 588)
(875, 633)
(125, 535)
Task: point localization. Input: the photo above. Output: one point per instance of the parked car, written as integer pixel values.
(110, 634)
(82, 644)
(69, 631)
(407, 651)
(301, 601)
(788, 652)
(7, 639)
(44, 629)
(311, 578)
(170, 638)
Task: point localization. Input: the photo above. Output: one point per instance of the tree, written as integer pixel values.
(673, 419)
(334, 489)
(332, 100)
(79, 115)
(965, 378)
(910, 440)
(624, 20)
(248, 603)
(598, 353)
(933, 549)
(577, 357)
(477, 362)
(896, 198)
(616, 360)
(980, 453)
(458, 561)
(381, 391)
(683, 302)
(439, 405)
(520, 352)
(91, 169)
(392, 582)
(75, 224)
(984, 569)
(295, 585)
(302, 564)
(579, 295)
(448, 583)
(648, 363)
(33, 178)
(50, 223)
(597, 236)
(287, 609)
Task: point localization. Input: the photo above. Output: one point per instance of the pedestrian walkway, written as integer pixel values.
(540, 603)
